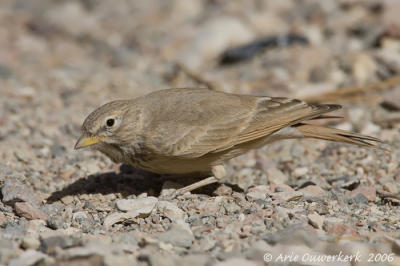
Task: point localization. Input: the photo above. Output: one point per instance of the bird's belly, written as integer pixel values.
(172, 165)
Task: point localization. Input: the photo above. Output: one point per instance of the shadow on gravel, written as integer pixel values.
(129, 181)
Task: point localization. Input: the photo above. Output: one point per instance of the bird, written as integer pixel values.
(197, 130)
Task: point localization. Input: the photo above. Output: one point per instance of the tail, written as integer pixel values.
(333, 134)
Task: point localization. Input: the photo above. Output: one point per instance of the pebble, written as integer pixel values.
(370, 129)
(231, 208)
(83, 220)
(143, 206)
(25, 209)
(364, 68)
(3, 219)
(316, 220)
(339, 229)
(281, 188)
(286, 196)
(301, 171)
(7, 250)
(28, 258)
(67, 200)
(170, 210)
(392, 99)
(177, 236)
(223, 190)
(388, 186)
(117, 260)
(30, 242)
(275, 176)
(13, 191)
(359, 198)
(49, 244)
(257, 193)
(213, 38)
(366, 191)
(55, 222)
(118, 217)
(312, 191)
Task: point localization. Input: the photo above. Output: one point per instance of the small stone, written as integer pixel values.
(49, 244)
(368, 192)
(177, 236)
(3, 219)
(388, 186)
(55, 222)
(52, 209)
(117, 260)
(257, 193)
(364, 68)
(339, 229)
(312, 191)
(223, 190)
(83, 220)
(276, 176)
(118, 217)
(370, 129)
(30, 242)
(286, 196)
(14, 191)
(170, 210)
(212, 39)
(211, 207)
(25, 209)
(195, 260)
(35, 226)
(231, 208)
(67, 200)
(316, 220)
(392, 99)
(301, 171)
(7, 250)
(28, 258)
(15, 229)
(359, 198)
(169, 187)
(154, 258)
(143, 206)
(281, 188)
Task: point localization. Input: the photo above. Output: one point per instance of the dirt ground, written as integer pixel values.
(300, 202)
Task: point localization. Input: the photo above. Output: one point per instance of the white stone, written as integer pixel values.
(143, 206)
(170, 210)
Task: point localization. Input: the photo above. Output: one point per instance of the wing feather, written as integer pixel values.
(212, 122)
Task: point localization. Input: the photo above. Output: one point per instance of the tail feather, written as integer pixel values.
(333, 134)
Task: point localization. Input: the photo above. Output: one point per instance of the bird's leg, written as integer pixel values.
(199, 184)
(218, 172)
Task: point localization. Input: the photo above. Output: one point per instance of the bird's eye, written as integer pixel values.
(110, 122)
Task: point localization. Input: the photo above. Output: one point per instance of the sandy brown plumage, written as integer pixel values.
(194, 129)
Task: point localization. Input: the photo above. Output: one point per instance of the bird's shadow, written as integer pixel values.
(127, 182)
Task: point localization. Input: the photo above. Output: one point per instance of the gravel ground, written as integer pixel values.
(304, 202)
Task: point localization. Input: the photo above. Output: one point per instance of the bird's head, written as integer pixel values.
(104, 125)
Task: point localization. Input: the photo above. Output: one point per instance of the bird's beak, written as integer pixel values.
(84, 142)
